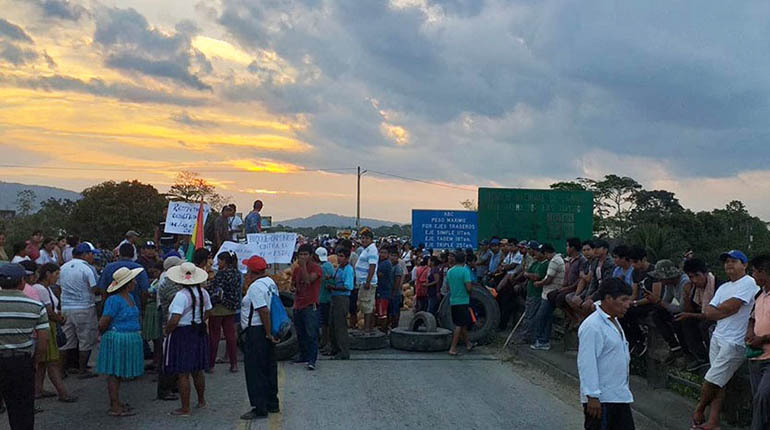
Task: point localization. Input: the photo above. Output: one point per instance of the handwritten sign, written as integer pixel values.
(273, 247)
(242, 250)
(181, 217)
(445, 229)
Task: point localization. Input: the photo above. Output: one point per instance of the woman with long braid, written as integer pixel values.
(187, 342)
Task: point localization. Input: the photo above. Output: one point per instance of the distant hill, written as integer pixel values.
(8, 191)
(333, 220)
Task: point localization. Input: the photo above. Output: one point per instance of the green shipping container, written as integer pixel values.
(543, 215)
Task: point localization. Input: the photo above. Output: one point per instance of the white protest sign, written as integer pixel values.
(242, 250)
(182, 216)
(274, 247)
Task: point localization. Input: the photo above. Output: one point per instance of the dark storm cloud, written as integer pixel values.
(11, 31)
(131, 44)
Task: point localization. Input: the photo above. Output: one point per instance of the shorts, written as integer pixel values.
(323, 314)
(381, 308)
(461, 315)
(353, 306)
(366, 299)
(725, 358)
(80, 329)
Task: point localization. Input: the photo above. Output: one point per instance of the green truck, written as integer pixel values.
(544, 215)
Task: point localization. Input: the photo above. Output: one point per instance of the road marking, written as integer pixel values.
(274, 421)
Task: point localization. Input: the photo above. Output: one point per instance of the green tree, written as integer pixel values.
(26, 200)
(568, 186)
(109, 209)
(190, 187)
(469, 204)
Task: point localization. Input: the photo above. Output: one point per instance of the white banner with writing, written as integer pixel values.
(181, 217)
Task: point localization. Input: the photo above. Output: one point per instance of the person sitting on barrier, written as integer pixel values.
(694, 325)
(601, 269)
(574, 267)
(575, 300)
(758, 338)
(666, 296)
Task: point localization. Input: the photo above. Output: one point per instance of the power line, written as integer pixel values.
(134, 169)
(438, 184)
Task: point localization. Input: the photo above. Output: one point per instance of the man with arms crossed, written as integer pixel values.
(730, 308)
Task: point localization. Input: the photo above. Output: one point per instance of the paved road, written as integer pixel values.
(383, 390)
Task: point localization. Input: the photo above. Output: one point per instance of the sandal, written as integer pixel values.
(68, 399)
(454, 354)
(169, 396)
(45, 395)
(179, 413)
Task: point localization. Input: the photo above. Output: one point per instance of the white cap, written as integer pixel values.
(322, 254)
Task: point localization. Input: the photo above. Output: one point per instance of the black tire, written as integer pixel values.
(405, 340)
(423, 321)
(487, 315)
(363, 341)
(288, 347)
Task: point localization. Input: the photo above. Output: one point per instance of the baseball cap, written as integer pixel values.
(533, 244)
(149, 244)
(546, 247)
(734, 254)
(523, 243)
(495, 242)
(83, 248)
(503, 241)
(255, 263)
(132, 233)
(12, 271)
(322, 254)
(484, 242)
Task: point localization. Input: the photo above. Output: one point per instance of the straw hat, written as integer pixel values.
(123, 276)
(187, 274)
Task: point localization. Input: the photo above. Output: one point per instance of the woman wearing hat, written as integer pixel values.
(121, 353)
(187, 340)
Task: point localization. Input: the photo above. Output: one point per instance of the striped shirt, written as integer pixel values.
(20, 316)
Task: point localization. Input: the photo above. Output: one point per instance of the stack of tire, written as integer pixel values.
(422, 334)
(485, 310)
(366, 341)
(288, 347)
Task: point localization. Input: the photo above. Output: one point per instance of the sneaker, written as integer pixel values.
(310, 366)
(253, 415)
(537, 346)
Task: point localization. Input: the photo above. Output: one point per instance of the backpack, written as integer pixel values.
(210, 228)
(280, 324)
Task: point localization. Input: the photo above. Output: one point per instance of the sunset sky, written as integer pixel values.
(257, 96)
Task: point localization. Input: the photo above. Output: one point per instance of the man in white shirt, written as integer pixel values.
(259, 345)
(78, 282)
(366, 277)
(731, 309)
(131, 237)
(603, 361)
(553, 279)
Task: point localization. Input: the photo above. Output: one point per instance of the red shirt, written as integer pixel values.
(307, 294)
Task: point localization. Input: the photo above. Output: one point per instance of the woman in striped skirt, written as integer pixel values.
(121, 353)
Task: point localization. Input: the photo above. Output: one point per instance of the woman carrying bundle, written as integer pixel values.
(121, 352)
(186, 345)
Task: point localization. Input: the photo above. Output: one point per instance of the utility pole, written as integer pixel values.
(358, 198)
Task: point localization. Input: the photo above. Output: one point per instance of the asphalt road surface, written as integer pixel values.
(375, 390)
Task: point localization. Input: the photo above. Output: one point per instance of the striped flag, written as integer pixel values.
(196, 241)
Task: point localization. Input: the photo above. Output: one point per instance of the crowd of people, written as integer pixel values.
(148, 309)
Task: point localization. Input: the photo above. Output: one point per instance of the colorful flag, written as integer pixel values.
(196, 240)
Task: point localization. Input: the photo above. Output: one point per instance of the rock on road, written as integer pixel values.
(375, 390)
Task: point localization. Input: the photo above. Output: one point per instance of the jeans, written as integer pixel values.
(615, 416)
(528, 323)
(759, 374)
(17, 387)
(217, 325)
(306, 323)
(339, 326)
(543, 321)
(261, 370)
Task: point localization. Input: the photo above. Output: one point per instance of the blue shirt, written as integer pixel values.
(343, 277)
(384, 279)
(627, 276)
(494, 261)
(328, 272)
(142, 281)
(124, 317)
(253, 222)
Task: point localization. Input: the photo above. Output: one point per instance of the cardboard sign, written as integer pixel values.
(445, 229)
(273, 247)
(182, 216)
